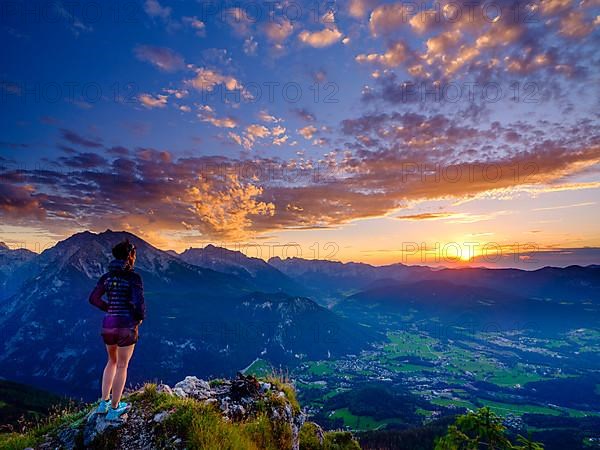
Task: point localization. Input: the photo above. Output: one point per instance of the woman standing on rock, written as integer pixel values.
(125, 310)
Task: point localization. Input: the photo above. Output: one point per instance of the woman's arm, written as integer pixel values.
(96, 296)
(137, 298)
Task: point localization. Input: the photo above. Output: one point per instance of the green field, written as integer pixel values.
(518, 410)
(259, 368)
(453, 402)
(516, 376)
(360, 422)
(409, 344)
(417, 360)
(320, 368)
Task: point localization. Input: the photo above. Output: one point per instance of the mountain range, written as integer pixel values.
(201, 320)
(10, 260)
(212, 311)
(255, 271)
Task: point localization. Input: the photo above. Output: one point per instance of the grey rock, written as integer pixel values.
(179, 392)
(161, 416)
(237, 412)
(164, 388)
(193, 387)
(67, 437)
(297, 422)
(97, 424)
(224, 405)
(318, 432)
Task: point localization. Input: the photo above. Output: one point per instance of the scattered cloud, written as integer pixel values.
(575, 205)
(393, 57)
(325, 37)
(386, 19)
(76, 25)
(266, 117)
(426, 216)
(154, 9)
(308, 131)
(319, 39)
(196, 24)
(250, 46)
(278, 31)
(208, 114)
(76, 139)
(207, 79)
(163, 58)
(150, 102)
(359, 8)
(304, 114)
(239, 20)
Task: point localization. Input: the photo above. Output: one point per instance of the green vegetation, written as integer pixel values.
(469, 370)
(332, 440)
(455, 359)
(259, 368)
(287, 388)
(517, 375)
(32, 433)
(403, 343)
(371, 406)
(320, 368)
(355, 422)
(518, 410)
(452, 402)
(202, 427)
(16, 441)
(481, 429)
(199, 425)
(24, 403)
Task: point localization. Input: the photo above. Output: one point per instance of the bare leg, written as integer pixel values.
(123, 357)
(109, 371)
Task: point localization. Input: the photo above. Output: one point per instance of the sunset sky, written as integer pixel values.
(360, 130)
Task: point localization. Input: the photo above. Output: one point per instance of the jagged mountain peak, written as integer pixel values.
(222, 259)
(255, 270)
(317, 264)
(222, 252)
(91, 248)
(3, 246)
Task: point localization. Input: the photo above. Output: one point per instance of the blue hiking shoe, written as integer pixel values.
(116, 413)
(103, 407)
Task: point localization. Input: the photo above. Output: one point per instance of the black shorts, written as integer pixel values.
(122, 337)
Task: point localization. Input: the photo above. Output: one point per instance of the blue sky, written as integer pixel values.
(157, 117)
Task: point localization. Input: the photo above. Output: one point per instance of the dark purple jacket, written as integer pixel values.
(124, 304)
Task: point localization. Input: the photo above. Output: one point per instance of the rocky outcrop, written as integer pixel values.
(238, 400)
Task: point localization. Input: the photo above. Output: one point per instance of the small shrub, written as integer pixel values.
(332, 440)
(261, 433)
(203, 428)
(216, 382)
(308, 437)
(16, 441)
(340, 440)
(288, 389)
